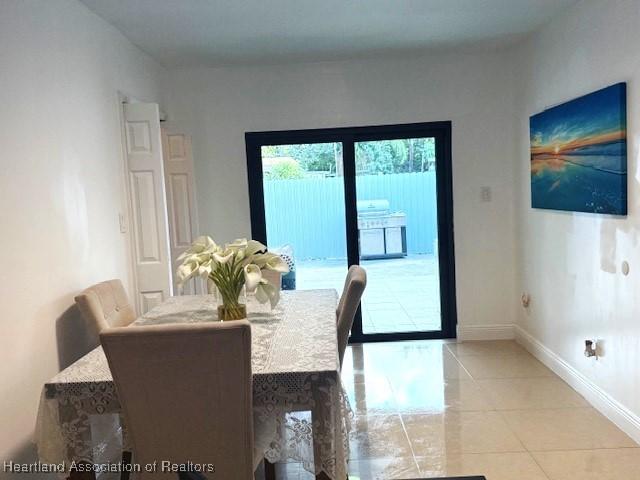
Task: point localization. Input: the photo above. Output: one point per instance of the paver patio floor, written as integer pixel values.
(402, 294)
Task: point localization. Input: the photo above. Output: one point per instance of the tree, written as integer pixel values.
(286, 171)
(395, 156)
(312, 157)
(372, 158)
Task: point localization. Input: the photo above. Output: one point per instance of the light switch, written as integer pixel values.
(123, 223)
(485, 194)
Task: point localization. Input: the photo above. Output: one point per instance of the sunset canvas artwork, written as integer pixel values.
(579, 154)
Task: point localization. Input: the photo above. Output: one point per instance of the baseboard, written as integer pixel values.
(626, 420)
(485, 332)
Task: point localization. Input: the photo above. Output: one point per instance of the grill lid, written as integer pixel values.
(372, 207)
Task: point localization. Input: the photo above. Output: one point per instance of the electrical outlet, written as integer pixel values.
(625, 268)
(590, 348)
(485, 194)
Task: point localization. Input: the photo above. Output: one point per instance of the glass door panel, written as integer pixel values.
(378, 196)
(398, 235)
(304, 206)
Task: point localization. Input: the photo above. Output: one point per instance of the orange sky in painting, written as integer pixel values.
(559, 148)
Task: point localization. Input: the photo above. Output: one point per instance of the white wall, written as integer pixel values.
(60, 188)
(61, 177)
(474, 91)
(570, 262)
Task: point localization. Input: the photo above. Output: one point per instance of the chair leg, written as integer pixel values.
(269, 470)
(126, 461)
(85, 475)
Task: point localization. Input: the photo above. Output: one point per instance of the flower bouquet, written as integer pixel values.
(232, 268)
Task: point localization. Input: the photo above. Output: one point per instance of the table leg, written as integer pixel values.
(269, 470)
(317, 421)
(126, 462)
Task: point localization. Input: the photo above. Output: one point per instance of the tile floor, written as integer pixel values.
(433, 408)
(402, 294)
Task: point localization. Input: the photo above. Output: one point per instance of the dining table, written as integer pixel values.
(299, 404)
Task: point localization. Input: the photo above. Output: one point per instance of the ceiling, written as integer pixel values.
(198, 33)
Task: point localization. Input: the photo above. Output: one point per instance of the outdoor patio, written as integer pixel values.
(402, 294)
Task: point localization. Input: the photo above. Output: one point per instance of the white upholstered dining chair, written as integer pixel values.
(273, 277)
(354, 286)
(186, 394)
(106, 305)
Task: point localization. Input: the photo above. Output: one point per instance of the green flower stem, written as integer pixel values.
(229, 278)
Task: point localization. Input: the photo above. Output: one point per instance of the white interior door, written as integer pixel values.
(148, 205)
(181, 202)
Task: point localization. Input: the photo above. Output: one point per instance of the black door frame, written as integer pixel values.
(348, 136)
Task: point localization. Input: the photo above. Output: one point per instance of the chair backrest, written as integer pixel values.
(354, 286)
(273, 277)
(106, 305)
(186, 394)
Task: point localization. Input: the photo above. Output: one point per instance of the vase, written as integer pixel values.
(211, 287)
(231, 306)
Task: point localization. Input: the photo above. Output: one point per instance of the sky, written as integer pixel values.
(589, 124)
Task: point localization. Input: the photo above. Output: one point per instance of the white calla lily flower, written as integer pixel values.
(202, 257)
(261, 293)
(252, 277)
(222, 258)
(202, 244)
(265, 292)
(237, 244)
(186, 271)
(254, 247)
(278, 264)
(230, 267)
(205, 268)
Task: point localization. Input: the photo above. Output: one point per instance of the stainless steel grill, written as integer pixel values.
(382, 233)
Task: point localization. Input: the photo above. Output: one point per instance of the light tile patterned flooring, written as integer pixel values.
(434, 408)
(402, 294)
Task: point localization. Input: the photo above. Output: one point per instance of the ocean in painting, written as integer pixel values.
(579, 154)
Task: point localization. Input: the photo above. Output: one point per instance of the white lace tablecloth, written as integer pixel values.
(300, 408)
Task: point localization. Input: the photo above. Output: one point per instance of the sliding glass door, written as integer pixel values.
(375, 196)
(304, 211)
(398, 234)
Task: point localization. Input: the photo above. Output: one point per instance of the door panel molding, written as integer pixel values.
(147, 204)
(144, 218)
(181, 202)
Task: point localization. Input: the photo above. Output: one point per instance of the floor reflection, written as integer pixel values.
(435, 408)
